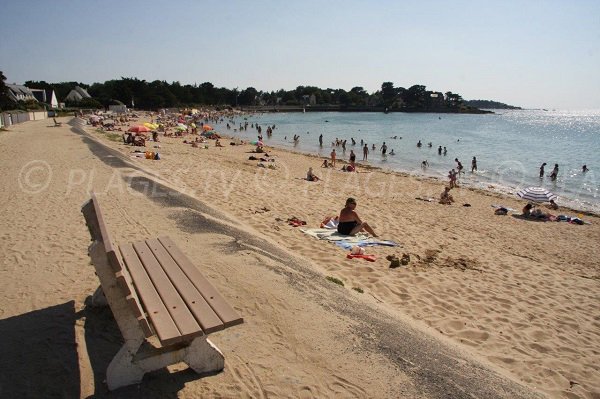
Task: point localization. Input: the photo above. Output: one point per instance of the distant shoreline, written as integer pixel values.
(338, 108)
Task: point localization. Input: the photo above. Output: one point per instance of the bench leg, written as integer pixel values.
(98, 298)
(122, 370)
(203, 356)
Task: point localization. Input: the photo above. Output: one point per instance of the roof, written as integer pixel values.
(77, 94)
(19, 89)
(19, 92)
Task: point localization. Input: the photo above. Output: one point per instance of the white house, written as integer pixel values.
(20, 93)
(46, 96)
(77, 94)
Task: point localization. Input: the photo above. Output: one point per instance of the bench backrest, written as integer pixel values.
(99, 232)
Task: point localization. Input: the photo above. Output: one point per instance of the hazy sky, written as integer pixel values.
(539, 54)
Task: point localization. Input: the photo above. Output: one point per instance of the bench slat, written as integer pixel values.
(204, 314)
(161, 319)
(113, 258)
(132, 299)
(225, 312)
(181, 315)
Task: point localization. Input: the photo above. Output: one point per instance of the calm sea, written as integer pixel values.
(510, 146)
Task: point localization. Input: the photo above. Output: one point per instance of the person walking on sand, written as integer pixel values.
(333, 157)
(473, 165)
(349, 221)
(542, 170)
(365, 152)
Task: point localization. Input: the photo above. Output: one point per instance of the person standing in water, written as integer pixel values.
(473, 165)
(542, 170)
(554, 173)
(321, 140)
(365, 152)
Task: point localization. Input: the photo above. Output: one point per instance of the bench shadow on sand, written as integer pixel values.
(39, 354)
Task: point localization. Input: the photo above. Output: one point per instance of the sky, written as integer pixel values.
(533, 54)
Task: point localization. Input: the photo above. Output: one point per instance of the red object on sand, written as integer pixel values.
(139, 129)
(370, 258)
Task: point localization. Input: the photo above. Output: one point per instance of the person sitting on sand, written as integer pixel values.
(552, 205)
(530, 211)
(446, 198)
(349, 221)
(139, 140)
(527, 210)
(310, 176)
(325, 163)
(218, 143)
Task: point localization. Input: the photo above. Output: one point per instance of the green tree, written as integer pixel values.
(453, 100)
(5, 101)
(358, 96)
(415, 97)
(248, 96)
(389, 94)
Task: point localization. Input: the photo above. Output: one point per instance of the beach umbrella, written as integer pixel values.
(139, 129)
(537, 194)
(181, 127)
(151, 126)
(207, 127)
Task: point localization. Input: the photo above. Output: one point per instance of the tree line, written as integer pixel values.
(161, 94)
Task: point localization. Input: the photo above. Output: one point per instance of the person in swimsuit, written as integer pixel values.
(349, 222)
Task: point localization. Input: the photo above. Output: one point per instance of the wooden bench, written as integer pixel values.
(164, 306)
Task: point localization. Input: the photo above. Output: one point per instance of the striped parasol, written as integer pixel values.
(537, 194)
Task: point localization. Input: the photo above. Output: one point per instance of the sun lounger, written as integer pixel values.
(56, 124)
(163, 305)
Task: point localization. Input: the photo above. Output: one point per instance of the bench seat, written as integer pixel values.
(154, 290)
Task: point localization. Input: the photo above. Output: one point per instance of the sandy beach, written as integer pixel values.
(488, 306)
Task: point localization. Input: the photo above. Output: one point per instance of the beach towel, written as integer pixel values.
(370, 258)
(345, 241)
(333, 235)
(369, 242)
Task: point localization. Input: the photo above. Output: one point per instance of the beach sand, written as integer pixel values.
(519, 297)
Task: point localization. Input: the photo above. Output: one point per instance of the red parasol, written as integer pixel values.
(139, 129)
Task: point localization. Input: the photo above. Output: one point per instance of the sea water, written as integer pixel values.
(510, 146)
